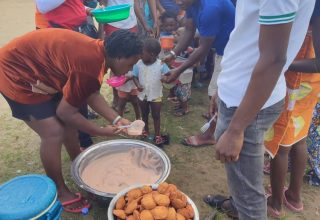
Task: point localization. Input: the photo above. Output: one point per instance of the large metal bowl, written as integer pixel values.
(111, 147)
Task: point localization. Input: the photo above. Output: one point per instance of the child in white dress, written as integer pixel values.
(148, 72)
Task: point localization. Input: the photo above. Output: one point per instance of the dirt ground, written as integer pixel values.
(195, 171)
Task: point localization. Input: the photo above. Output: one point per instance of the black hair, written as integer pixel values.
(123, 44)
(152, 45)
(168, 14)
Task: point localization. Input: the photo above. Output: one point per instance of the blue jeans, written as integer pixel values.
(245, 177)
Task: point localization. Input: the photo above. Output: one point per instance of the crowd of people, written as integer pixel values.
(259, 59)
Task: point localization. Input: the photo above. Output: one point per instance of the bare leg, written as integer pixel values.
(145, 110)
(135, 103)
(155, 110)
(278, 170)
(115, 98)
(51, 132)
(71, 142)
(298, 158)
(121, 105)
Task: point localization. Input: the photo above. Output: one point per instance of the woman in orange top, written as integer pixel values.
(46, 75)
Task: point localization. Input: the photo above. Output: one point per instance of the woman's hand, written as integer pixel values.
(109, 130)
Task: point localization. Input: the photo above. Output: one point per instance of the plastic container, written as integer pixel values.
(154, 186)
(116, 81)
(167, 42)
(29, 197)
(111, 13)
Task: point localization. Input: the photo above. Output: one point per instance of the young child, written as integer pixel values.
(128, 92)
(169, 23)
(148, 72)
(182, 90)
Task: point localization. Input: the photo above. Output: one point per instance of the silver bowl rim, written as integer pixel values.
(75, 172)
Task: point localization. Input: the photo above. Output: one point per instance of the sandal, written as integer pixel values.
(83, 203)
(290, 206)
(273, 212)
(144, 135)
(193, 141)
(159, 141)
(218, 202)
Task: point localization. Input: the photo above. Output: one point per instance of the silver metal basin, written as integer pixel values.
(108, 148)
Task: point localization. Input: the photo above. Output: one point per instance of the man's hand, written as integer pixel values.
(229, 146)
(170, 76)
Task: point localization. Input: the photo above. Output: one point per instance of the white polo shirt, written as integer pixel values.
(242, 52)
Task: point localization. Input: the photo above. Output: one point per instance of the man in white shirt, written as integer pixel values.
(251, 91)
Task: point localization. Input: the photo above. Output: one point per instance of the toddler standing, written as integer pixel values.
(148, 72)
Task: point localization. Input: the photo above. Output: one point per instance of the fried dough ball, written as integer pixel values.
(162, 200)
(148, 202)
(180, 217)
(162, 187)
(130, 217)
(172, 214)
(146, 215)
(146, 189)
(133, 194)
(160, 212)
(136, 215)
(178, 203)
(131, 207)
(171, 188)
(119, 213)
(191, 211)
(186, 212)
(121, 203)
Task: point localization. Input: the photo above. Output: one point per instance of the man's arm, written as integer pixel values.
(273, 43)
(187, 37)
(205, 44)
(310, 65)
(159, 7)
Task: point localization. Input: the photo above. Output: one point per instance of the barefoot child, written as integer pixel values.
(148, 71)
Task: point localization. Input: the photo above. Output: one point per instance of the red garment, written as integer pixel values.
(70, 14)
(109, 29)
(66, 61)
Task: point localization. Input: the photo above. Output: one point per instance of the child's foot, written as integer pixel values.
(159, 141)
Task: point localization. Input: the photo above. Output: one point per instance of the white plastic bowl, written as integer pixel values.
(154, 186)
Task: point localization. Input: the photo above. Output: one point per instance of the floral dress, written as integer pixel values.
(313, 142)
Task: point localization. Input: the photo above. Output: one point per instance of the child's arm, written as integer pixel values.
(137, 83)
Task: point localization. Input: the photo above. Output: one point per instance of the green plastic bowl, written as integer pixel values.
(112, 13)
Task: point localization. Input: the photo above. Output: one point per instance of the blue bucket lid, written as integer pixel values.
(26, 196)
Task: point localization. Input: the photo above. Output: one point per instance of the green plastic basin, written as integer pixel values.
(112, 13)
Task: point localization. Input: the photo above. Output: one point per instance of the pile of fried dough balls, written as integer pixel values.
(165, 203)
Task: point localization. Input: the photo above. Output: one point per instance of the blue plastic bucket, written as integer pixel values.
(29, 197)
